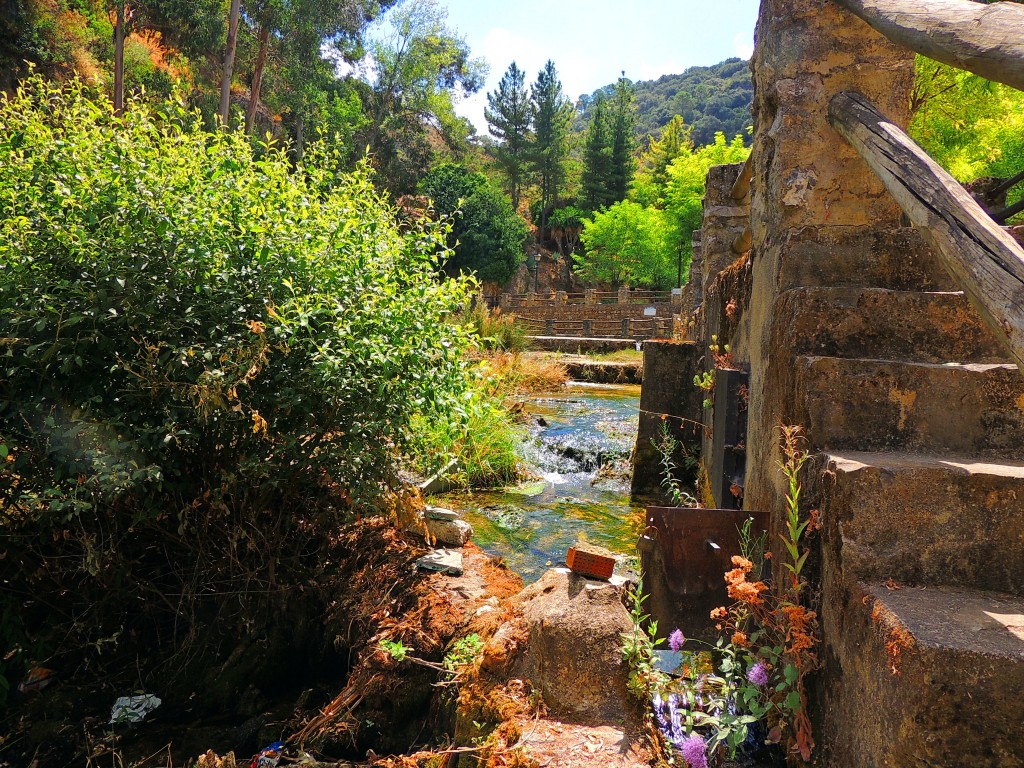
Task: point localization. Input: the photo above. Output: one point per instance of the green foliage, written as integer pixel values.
(623, 122)
(487, 236)
(485, 445)
(566, 227)
(628, 244)
(497, 331)
(652, 178)
(395, 649)
(509, 119)
(668, 448)
(549, 153)
(608, 151)
(712, 100)
(420, 66)
(464, 651)
(684, 192)
(972, 127)
(208, 355)
(172, 301)
(597, 158)
(638, 646)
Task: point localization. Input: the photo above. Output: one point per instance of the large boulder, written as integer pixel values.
(573, 654)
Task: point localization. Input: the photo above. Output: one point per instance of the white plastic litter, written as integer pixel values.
(133, 709)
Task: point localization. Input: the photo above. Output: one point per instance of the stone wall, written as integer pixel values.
(812, 193)
(668, 397)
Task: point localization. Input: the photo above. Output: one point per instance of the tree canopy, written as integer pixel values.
(710, 99)
(420, 67)
(487, 236)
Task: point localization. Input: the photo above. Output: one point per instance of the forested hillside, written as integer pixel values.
(710, 99)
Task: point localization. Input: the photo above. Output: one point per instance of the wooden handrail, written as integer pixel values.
(985, 39)
(986, 262)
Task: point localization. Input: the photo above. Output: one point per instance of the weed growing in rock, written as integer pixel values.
(747, 690)
(638, 646)
(668, 447)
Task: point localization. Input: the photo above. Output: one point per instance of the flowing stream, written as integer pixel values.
(578, 449)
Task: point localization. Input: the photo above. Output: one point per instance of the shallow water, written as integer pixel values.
(579, 447)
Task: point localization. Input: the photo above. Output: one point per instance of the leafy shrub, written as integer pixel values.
(205, 355)
(487, 236)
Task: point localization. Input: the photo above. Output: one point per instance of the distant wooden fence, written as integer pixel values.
(588, 297)
(627, 328)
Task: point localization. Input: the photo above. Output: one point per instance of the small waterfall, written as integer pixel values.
(579, 447)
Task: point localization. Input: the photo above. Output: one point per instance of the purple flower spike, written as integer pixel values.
(693, 751)
(758, 674)
(676, 640)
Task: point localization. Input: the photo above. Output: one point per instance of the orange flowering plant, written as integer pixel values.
(774, 625)
(749, 691)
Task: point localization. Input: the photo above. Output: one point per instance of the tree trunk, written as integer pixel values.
(984, 260)
(229, 62)
(257, 80)
(983, 39)
(119, 36)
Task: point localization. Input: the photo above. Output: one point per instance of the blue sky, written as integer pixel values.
(592, 42)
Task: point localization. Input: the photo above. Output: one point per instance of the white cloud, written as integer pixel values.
(743, 44)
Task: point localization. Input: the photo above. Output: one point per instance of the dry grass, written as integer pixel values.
(512, 373)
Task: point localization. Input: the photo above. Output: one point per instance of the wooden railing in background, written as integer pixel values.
(627, 328)
(622, 296)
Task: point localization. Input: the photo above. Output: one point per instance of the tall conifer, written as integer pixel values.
(552, 121)
(509, 117)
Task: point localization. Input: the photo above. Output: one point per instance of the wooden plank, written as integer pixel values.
(986, 262)
(984, 39)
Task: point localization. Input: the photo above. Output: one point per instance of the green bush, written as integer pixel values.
(487, 235)
(205, 355)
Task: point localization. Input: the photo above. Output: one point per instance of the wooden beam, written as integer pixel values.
(983, 39)
(984, 260)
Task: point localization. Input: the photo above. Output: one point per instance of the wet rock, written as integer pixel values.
(573, 652)
(443, 561)
(440, 513)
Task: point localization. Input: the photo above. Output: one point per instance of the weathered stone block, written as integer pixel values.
(573, 655)
(669, 391)
(451, 533)
(885, 405)
(922, 519)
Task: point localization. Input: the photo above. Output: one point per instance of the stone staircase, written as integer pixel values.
(916, 419)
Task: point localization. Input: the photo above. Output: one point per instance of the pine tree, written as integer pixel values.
(623, 124)
(597, 158)
(509, 118)
(552, 120)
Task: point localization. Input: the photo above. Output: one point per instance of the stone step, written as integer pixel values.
(943, 669)
(873, 405)
(888, 325)
(898, 259)
(922, 519)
